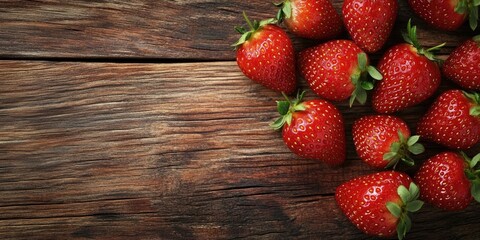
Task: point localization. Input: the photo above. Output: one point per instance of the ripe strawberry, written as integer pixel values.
(312, 129)
(446, 15)
(313, 19)
(463, 64)
(448, 180)
(410, 75)
(378, 204)
(382, 140)
(369, 22)
(265, 54)
(337, 70)
(453, 120)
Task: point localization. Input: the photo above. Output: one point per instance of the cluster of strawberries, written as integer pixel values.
(407, 74)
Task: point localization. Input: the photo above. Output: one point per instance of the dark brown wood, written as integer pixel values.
(198, 30)
(169, 151)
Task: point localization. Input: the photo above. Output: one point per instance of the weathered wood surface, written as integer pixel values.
(198, 30)
(168, 151)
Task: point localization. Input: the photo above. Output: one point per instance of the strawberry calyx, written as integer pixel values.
(474, 98)
(286, 109)
(472, 171)
(411, 37)
(469, 7)
(402, 149)
(285, 10)
(477, 40)
(254, 27)
(361, 81)
(409, 203)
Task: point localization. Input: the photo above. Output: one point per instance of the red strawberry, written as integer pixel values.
(338, 70)
(265, 54)
(369, 22)
(378, 204)
(314, 19)
(446, 14)
(463, 64)
(453, 120)
(448, 180)
(410, 75)
(312, 129)
(382, 140)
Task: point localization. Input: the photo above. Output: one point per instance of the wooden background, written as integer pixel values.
(131, 120)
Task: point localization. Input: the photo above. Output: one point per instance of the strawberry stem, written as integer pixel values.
(249, 23)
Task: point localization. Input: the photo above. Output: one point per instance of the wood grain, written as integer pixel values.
(156, 30)
(169, 151)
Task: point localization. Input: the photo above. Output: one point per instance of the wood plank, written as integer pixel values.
(169, 151)
(185, 30)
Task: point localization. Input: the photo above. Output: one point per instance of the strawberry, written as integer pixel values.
(369, 22)
(338, 70)
(453, 120)
(410, 75)
(463, 64)
(265, 54)
(382, 140)
(378, 204)
(447, 15)
(313, 19)
(312, 129)
(449, 180)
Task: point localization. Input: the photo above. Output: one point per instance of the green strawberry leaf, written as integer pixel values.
(470, 175)
(412, 140)
(374, 73)
(240, 30)
(361, 95)
(355, 78)
(394, 209)
(400, 136)
(416, 148)
(278, 124)
(404, 194)
(367, 85)
(414, 191)
(474, 161)
(473, 17)
(362, 61)
(283, 107)
(477, 38)
(461, 7)
(408, 224)
(287, 9)
(401, 229)
(476, 3)
(389, 156)
(475, 111)
(414, 206)
(395, 147)
(475, 190)
(352, 98)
